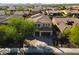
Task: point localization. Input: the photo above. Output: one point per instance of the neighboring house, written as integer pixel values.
(12, 8)
(4, 19)
(43, 25)
(54, 8)
(26, 12)
(65, 23)
(19, 13)
(75, 7)
(36, 10)
(72, 12)
(2, 12)
(54, 13)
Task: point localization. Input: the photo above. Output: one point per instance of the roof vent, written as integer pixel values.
(70, 22)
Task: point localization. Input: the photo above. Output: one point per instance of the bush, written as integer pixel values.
(7, 33)
(74, 36)
(25, 27)
(16, 30)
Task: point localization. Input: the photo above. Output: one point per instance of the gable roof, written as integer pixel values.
(3, 19)
(61, 23)
(18, 13)
(71, 11)
(53, 11)
(2, 12)
(40, 18)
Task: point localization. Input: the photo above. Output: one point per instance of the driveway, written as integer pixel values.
(47, 40)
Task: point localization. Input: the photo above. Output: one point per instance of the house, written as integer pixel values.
(74, 7)
(43, 25)
(72, 12)
(12, 8)
(65, 23)
(26, 12)
(36, 10)
(54, 13)
(4, 19)
(2, 12)
(19, 13)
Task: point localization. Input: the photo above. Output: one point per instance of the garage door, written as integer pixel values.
(45, 34)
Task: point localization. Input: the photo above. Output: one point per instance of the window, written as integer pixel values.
(43, 25)
(38, 25)
(48, 25)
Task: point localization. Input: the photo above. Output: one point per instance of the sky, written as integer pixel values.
(39, 1)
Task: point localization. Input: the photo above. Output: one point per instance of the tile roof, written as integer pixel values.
(3, 19)
(40, 18)
(71, 11)
(62, 23)
(53, 11)
(18, 13)
(2, 12)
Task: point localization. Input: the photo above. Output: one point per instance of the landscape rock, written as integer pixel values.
(34, 43)
(36, 46)
(4, 51)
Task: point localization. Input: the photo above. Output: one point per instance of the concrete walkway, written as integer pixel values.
(49, 49)
(69, 51)
(65, 51)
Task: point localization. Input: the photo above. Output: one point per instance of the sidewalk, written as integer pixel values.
(65, 51)
(70, 51)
